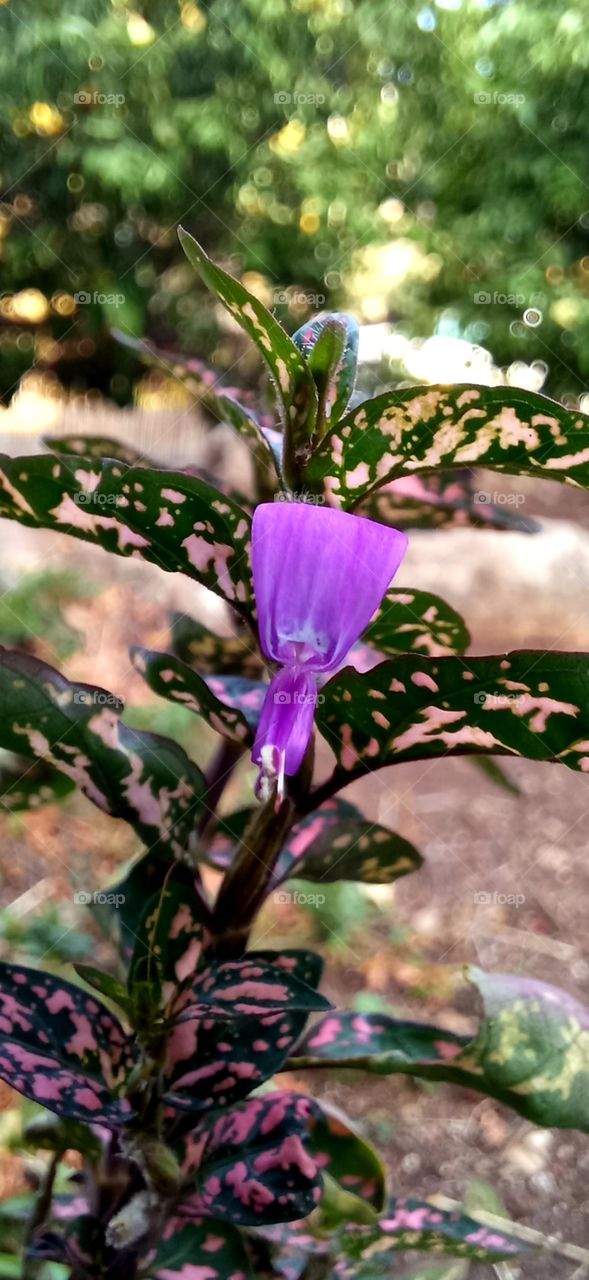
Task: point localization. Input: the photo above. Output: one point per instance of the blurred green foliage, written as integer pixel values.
(418, 162)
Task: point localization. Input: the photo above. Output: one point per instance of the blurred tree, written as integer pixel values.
(418, 162)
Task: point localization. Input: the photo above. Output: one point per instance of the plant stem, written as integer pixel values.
(246, 881)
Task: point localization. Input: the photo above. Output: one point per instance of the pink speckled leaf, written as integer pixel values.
(254, 1164)
(418, 429)
(525, 703)
(414, 1224)
(146, 779)
(212, 1063)
(531, 1051)
(337, 843)
(169, 518)
(28, 786)
(211, 1250)
(411, 621)
(250, 987)
(444, 500)
(174, 680)
(169, 935)
(295, 389)
(62, 1048)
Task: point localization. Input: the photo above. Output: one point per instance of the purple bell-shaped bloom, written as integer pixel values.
(319, 576)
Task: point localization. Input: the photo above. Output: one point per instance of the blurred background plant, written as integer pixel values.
(419, 163)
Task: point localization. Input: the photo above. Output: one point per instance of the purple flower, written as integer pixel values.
(319, 576)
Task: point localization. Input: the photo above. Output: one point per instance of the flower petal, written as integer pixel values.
(319, 575)
(286, 723)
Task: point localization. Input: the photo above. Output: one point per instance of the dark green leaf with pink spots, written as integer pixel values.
(250, 988)
(294, 384)
(169, 518)
(417, 622)
(414, 1224)
(169, 936)
(531, 1051)
(61, 1047)
(29, 786)
(96, 447)
(255, 1164)
(418, 429)
(141, 777)
(211, 1250)
(211, 654)
(329, 344)
(174, 680)
(444, 500)
(525, 703)
(338, 843)
(210, 1064)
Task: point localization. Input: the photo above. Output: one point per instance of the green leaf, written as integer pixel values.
(329, 344)
(347, 1157)
(213, 1250)
(141, 777)
(531, 1051)
(169, 518)
(294, 384)
(496, 774)
(211, 654)
(174, 680)
(337, 843)
(104, 983)
(416, 621)
(28, 786)
(420, 428)
(525, 703)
